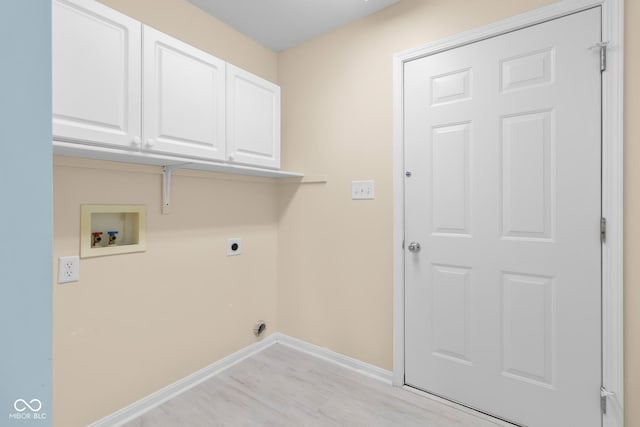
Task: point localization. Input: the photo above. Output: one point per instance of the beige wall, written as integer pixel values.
(186, 22)
(138, 322)
(335, 255)
(135, 323)
(317, 265)
(632, 213)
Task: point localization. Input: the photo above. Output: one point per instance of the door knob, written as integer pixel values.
(151, 142)
(414, 247)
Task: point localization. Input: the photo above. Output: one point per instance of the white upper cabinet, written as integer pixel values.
(184, 98)
(253, 119)
(96, 74)
(125, 91)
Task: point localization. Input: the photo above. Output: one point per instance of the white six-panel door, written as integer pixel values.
(503, 298)
(96, 77)
(184, 98)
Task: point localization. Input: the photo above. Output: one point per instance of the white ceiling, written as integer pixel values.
(281, 24)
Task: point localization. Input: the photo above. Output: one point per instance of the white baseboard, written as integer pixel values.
(159, 397)
(169, 392)
(355, 365)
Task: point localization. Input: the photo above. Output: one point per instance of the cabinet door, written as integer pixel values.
(253, 119)
(183, 99)
(96, 74)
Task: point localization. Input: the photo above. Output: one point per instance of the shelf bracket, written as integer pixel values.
(167, 171)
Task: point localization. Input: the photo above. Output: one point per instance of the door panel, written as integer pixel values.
(450, 168)
(527, 181)
(450, 308)
(502, 302)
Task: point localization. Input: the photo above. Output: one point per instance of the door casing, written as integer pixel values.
(612, 184)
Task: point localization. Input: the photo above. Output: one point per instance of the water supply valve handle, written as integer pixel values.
(96, 238)
(113, 235)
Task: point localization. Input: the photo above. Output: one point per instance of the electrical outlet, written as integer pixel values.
(234, 246)
(68, 269)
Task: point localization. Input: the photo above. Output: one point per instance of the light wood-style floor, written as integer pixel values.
(281, 386)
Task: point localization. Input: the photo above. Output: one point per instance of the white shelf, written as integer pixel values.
(71, 149)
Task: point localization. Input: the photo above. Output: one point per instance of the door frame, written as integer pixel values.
(612, 183)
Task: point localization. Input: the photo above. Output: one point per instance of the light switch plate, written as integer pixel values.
(362, 190)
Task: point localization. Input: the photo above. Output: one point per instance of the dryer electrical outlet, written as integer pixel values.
(234, 246)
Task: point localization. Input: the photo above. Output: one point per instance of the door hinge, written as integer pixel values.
(603, 229)
(604, 394)
(602, 47)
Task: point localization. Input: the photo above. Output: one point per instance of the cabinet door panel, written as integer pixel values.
(253, 119)
(184, 92)
(96, 74)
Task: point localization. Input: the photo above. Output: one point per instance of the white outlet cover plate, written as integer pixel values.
(230, 243)
(68, 269)
(362, 190)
